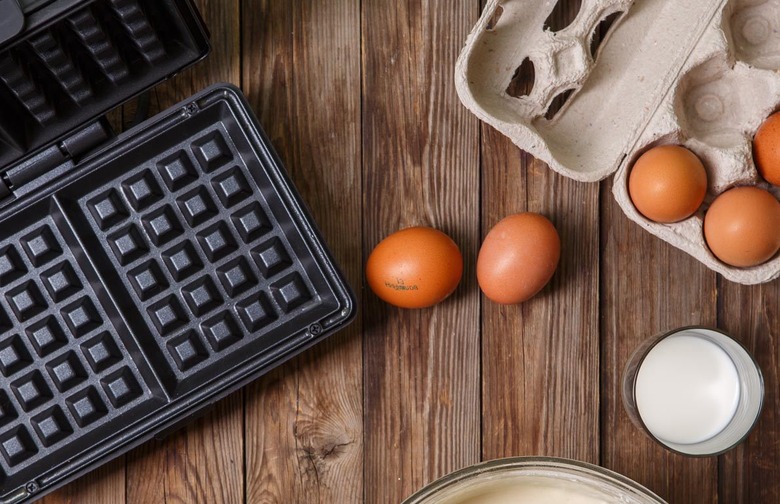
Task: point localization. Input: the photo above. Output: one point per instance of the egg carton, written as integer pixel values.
(624, 77)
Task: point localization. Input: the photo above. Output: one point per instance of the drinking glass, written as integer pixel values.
(679, 387)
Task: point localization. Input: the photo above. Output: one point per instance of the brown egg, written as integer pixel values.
(667, 183)
(415, 267)
(766, 149)
(518, 258)
(742, 226)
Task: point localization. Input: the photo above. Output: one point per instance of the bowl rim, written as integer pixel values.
(537, 462)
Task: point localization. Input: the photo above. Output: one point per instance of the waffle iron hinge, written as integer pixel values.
(53, 161)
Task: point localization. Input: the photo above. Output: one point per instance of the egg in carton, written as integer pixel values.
(625, 76)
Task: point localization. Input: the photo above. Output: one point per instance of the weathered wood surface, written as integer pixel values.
(357, 96)
(420, 167)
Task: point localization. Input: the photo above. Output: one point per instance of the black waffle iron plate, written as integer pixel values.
(144, 276)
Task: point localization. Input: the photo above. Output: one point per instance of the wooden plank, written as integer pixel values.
(105, 484)
(302, 73)
(204, 462)
(420, 167)
(751, 472)
(540, 360)
(647, 287)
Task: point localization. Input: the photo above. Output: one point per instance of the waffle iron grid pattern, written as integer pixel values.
(64, 372)
(204, 264)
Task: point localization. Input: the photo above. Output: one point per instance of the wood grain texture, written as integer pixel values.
(201, 463)
(751, 472)
(420, 168)
(105, 484)
(540, 377)
(304, 423)
(647, 287)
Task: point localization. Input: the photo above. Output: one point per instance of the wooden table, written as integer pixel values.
(358, 97)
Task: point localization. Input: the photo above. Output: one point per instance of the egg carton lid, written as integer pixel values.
(611, 84)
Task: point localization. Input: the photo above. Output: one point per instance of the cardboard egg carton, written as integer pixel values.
(630, 76)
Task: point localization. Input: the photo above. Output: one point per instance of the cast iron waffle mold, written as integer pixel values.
(171, 267)
(79, 59)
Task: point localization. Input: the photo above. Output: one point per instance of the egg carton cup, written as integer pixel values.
(624, 77)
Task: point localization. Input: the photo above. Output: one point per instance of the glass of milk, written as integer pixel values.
(694, 390)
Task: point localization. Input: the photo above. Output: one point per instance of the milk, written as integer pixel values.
(687, 389)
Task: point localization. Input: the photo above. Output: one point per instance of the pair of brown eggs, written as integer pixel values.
(668, 184)
(419, 267)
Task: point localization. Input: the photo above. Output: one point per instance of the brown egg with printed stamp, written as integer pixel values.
(416, 267)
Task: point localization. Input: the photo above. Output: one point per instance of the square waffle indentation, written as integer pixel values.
(251, 222)
(271, 257)
(231, 187)
(121, 387)
(11, 265)
(236, 276)
(31, 391)
(167, 315)
(108, 209)
(66, 372)
(127, 244)
(101, 352)
(291, 292)
(51, 426)
(177, 171)
(61, 282)
(46, 336)
(202, 296)
(26, 301)
(17, 446)
(256, 312)
(41, 246)
(14, 356)
(221, 331)
(86, 406)
(147, 280)
(162, 226)
(187, 351)
(212, 151)
(81, 317)
(7, 411)
(142, 190)
(182, 261)
(217, 242)
(197, 206)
